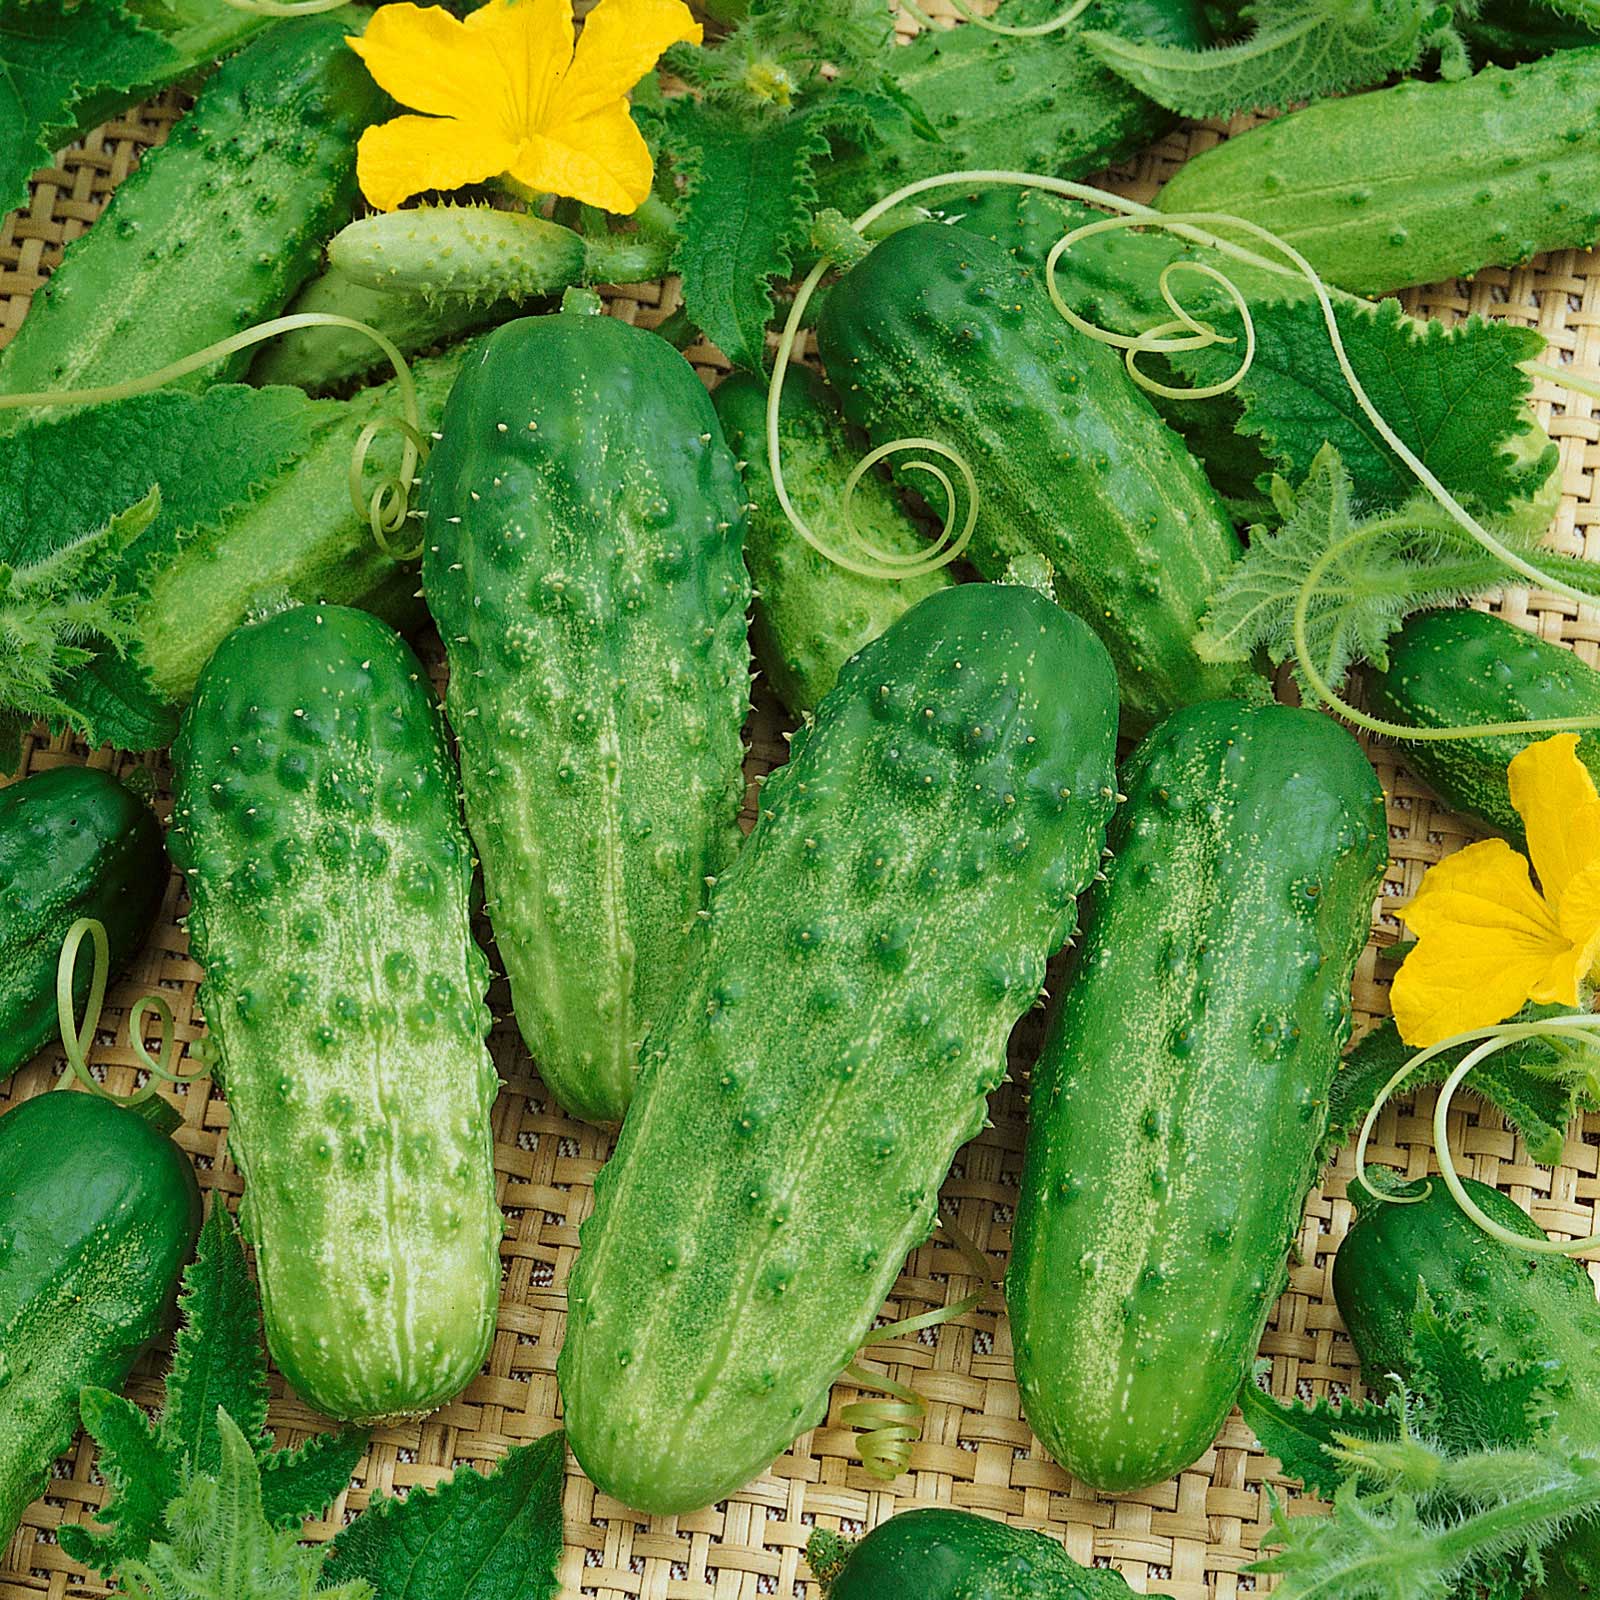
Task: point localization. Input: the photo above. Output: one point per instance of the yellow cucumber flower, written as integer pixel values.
(504, 92)
(1488, 941)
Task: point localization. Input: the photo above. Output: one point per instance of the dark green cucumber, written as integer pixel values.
(812, 615)
(98, 1213)
(938, 332)
(584, 524)
(73, 843)
(1509, 31)
(1522, 1309)
(940, 1554)
(1044, 105)
(217, 228)
(914, 865)
(1422, 181)
(1455, 669)
(317, 818)
(1182, 1094)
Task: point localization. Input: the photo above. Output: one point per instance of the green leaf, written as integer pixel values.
(222, 1547)
(494, 1537)
(747, 203)
(1299, 49)
(52, 62)
(1301, 1436)
(304, 1482)
(217, 1360)
(141, 1476)
(1539, 1091)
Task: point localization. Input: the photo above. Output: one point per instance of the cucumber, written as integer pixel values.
(1422, 181)
(1522, 1308)
(98, 1214)
(1456, 668)
(1182, 1093)
(584, 522)
(217, 228)
(1044, 105)
(317, 819)
(73, 843)
(940, 1554)
(810, 614)
(938, 332)
(914, 865)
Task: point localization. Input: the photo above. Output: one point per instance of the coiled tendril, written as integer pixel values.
(1580, 1028)
(76, 1039)
(1183, 332)
(1032, 30)
(887, 1429)
(387, 509)
(286, 8)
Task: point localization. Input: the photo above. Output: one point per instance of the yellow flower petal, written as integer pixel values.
(1486, 942)
(621, 41)
(602, 161)
(429, 61)
(531, 43)
(1556, 798)
(398, 159)
(1580, 925)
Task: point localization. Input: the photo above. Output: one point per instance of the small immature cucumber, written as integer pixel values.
(938, 332)
(1454, 669)
(811, 615)
(73, 843)
(217, 228)
(915, 864)
(1178, 1105)
(98, 1214)
(1522, 1309)
(584, 523)
(317, 818)
(1421, 181)
(940, 1554)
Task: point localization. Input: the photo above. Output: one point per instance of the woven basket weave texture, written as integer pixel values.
(1188, 1538)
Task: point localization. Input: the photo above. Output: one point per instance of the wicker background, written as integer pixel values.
(1187, 1538)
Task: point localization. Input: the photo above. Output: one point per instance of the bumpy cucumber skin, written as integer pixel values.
(584, 524)
(98, 1213)
(1421, 181)
(317, 819)
(810, 614)
(938, 332)
(1043, 105)
(217, 228)
(940, 1554)
(73, 843)
(914, 865)
(1182, 1093)
(299, 540)
(1452, 669)
(1522, 1308)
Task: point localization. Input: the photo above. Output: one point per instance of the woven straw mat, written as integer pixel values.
(1187, 1538)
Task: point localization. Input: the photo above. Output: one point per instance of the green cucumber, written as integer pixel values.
(1422, 181)
(317, 819)
(914, 865)
(1177, 1108)
(969, 98)
(584, 523)
(216, 230)
(938, 332)
(73, 843)
(1522, 1309)
(98, 1214)
(810, 614)
(940, 1554)
(1458, 668)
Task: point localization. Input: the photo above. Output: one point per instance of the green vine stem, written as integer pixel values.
(285, 8)
(1582, 1027)
(388, 508)
(1034, 30)
(76, 1039)
(887, 1429)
